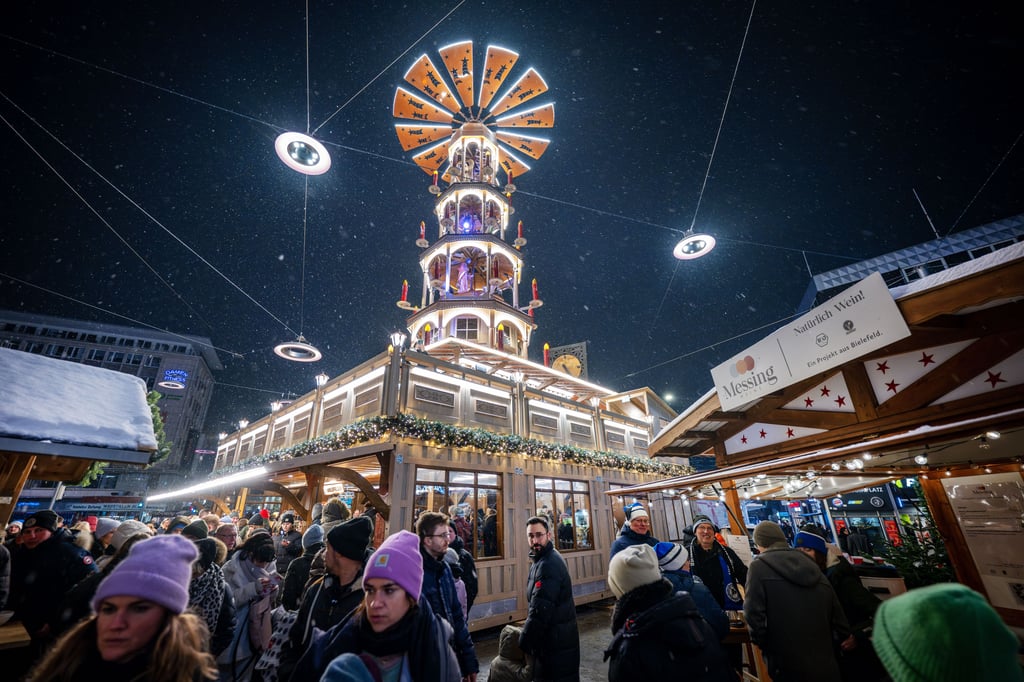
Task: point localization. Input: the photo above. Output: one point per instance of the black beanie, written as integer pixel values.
(350, 539)
(197, 530)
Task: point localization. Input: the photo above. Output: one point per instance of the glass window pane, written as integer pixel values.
(427, 475)
(487, 479)
(462, 477)
(543, 484)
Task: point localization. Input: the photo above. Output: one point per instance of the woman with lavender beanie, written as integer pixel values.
(392, 634)
(139, 629)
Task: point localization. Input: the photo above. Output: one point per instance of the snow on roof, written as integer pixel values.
(971, 267)
(46, 399)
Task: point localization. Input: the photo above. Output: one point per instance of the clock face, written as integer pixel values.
(570, 364)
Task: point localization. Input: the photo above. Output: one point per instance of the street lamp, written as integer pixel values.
(321, 380)
(397, 340)
(242, 423)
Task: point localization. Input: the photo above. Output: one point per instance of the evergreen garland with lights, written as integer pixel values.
(441, 434)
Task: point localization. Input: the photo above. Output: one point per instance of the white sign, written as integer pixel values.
(858, 321)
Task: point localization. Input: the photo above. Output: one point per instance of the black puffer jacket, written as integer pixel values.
(550, 634)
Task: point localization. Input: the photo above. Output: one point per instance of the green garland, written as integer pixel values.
(446, 435)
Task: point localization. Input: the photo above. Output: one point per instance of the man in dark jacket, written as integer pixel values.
(658, 633)
(638, 532)
(549, 634)
(674, 562)
(43, 568)
(792, 611)
(439, 588)
(287, 543)
(328, 599)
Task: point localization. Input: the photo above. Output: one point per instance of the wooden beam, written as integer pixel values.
(287, 496)
(365, 487)
(14, 471)
(1004, 281)
(960, 368)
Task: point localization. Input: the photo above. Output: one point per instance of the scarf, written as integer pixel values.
(206, 594)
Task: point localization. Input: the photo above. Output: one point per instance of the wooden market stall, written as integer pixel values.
(944, 403)
(57, 418)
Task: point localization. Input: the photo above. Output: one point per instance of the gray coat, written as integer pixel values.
(794, 616)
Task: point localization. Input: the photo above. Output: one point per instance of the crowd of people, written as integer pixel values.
(802, 604)
(263, 599)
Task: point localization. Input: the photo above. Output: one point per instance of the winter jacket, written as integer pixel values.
(41, 577)
(325, 604)
(439, 590)
(469, 575)
(712, 612)
(296, 578)
(659, 634)
(252, 617)
(287, 547)
(511, 664)
(706, 564)
(629, 537)
(428, 657)
(550, 634)
(5, 575)
(794, 616)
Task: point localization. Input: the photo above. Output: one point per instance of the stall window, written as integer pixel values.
(471, 499)
(566, 504)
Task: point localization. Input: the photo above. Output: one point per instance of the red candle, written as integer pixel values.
(546, 353)
(535, 288)
(435, 178)
(501, 337)
(520, 229)
(405, 289)
(423, 230)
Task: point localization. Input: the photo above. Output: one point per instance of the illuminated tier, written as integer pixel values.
(465, 140)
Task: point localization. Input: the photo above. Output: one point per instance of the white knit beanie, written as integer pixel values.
(632, 567)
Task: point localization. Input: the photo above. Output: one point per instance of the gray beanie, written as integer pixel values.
(126, 530)
(314, 535)
(768, 534)
(105, 525)
(631, 568)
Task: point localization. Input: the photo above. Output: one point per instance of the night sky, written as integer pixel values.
(153, 123)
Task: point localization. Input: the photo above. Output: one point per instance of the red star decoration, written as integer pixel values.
(996, 378)
(926, 359)
(841, 400)
(764, 434)
(882, 366)
(789, 433)
(824, 391)
(808, 402)
(743, 439)
(891, 385)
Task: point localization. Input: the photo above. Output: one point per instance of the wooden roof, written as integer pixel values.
(958, 375)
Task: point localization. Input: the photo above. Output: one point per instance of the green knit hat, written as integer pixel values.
(944, 632)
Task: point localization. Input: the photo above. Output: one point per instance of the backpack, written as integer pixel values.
(645, 642)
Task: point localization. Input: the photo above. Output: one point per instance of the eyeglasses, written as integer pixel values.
(226, 535)
(536, 536)
(442, 535)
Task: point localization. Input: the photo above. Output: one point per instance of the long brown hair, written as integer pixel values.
(180, 653)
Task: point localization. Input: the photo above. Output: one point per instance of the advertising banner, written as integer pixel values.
(861, 319)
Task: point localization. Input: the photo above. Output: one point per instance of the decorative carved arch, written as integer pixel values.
(364, 486)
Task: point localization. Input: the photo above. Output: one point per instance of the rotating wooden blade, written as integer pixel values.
(425, 77)
(510, 163)
(541, 117)
(531, 146)
(430, 160)
(412, 136)
(410, 106)
(526, 88)
(459, 60)
(498, 63)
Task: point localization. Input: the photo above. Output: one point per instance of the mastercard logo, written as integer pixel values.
(742, 366)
